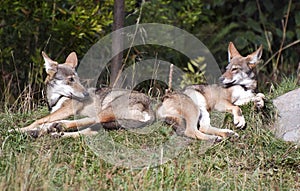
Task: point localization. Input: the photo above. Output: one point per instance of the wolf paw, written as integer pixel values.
(259, 100)
(57, 135)
(218, 139)
(34, 133)
(230, 133)
(55, 127)
(239, 121)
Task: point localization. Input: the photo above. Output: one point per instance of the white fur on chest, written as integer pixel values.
(59, 104)
(240, 96)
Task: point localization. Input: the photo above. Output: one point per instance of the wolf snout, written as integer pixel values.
(80, 95)
(221, 79)
(86, 94)
(225, 82)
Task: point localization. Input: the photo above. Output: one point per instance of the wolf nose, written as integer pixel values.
(86, 94)
(221, 79)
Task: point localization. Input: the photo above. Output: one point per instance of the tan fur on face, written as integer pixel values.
(240, 70)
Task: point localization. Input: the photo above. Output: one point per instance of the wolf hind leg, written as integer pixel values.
(205, 126)
(193, 132)
(179, 124)
(185, 121)
(219, 132)
(196, 134)
(140, 112)
(126, 116)
(172, 117)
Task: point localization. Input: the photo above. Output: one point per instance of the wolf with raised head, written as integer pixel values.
(67, 97)
(184, 110)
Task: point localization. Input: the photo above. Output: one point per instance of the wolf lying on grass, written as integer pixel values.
(67, 97)
(184, 110)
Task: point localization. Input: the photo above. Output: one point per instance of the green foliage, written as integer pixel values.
(249, 24)
(183, 14)
(195, 71)
(286, 85)
(57, 27)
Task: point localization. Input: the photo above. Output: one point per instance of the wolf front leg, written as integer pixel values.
(59, 127)
(259, 100)
(86, 131)
(64, 112)
(238, 118)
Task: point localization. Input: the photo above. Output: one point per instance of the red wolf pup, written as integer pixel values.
(184, 110)
(67, 97)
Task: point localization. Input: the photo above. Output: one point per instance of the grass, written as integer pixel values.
(255, 161)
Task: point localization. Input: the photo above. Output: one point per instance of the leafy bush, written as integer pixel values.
(251, 23)
(57, 27)
(247, 23)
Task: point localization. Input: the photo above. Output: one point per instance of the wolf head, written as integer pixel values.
(239, 71)
(62, 80)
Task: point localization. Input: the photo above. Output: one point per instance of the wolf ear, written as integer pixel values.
(72, 60)
(255, 57)
(232, 52)
(50, 65)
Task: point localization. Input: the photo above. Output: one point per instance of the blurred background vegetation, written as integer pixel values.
(60, 26)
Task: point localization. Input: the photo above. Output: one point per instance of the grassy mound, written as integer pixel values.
(255, 161)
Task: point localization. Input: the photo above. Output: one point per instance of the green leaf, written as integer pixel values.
(224, 31)
(190, 67)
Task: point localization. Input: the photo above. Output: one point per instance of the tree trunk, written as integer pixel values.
(117, 40)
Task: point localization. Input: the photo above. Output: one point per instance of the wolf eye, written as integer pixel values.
(71, 79)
